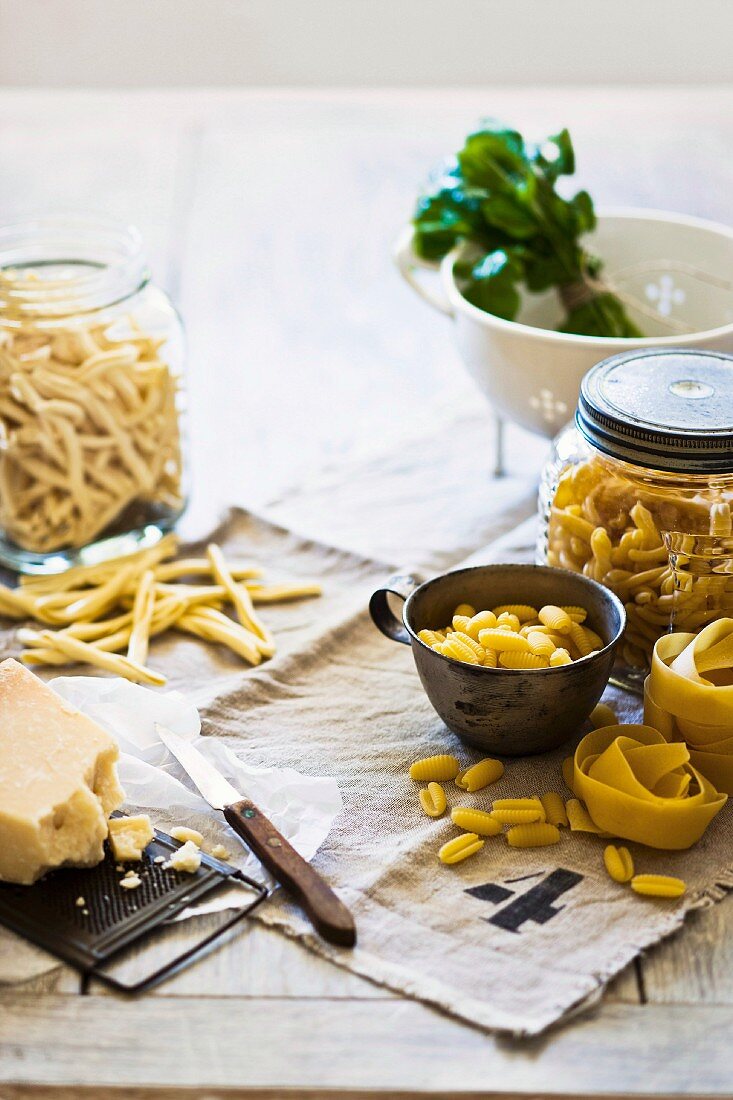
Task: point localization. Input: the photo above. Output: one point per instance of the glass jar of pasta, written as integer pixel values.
(91, 401)
(637, 492)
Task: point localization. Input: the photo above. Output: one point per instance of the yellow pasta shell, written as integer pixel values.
(538, 835)
(484, 620)
(555, 618)
(458, 650)
(521, 611)
(460, 848)
(465, 609)
(526, 661)
(658, 886)
(554, 808)
(560, 657)
(475, 821)
(618, 863)
(433, 800)
(480, 775)
(435, 768)
(517, 811)
(503, 641)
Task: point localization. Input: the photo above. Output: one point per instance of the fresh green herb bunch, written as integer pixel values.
(499, 194)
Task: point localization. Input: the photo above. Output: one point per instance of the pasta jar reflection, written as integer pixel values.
(637, 492)
(91, 402)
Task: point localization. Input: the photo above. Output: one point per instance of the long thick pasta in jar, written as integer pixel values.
(91, 353)
(665, 548)
(638, 492)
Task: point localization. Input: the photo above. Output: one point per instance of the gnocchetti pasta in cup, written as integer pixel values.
(638, 492)
(91, 355)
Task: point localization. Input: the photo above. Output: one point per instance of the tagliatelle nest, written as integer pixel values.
(106, 614)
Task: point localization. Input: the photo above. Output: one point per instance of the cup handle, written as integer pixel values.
(400, 584)
(408, 263)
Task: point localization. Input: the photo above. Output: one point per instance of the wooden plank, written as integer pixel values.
(255, 1047)
(256, 962)
(696, 966)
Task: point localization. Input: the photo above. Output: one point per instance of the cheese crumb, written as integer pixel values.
(80, 902)
(183, 833)
(131, 881)
(129, 836)
(159, 859)
(220, 852)
(186, 858)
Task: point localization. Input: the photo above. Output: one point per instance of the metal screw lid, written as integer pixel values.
(663, 409)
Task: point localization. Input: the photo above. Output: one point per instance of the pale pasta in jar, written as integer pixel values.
(638, 493)
(90, 395)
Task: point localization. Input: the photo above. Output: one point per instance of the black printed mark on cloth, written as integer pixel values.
(537, 904)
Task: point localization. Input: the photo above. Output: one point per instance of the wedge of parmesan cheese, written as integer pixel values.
(58, 780)
(130, 836)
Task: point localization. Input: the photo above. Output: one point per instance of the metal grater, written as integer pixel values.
(113, 918)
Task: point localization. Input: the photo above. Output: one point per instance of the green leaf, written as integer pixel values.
(492, 285)
(511, 215)
(584, 215)
(494, 159)
(556, 155)
(603, 315)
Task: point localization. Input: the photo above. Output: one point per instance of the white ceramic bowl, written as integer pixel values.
(530, 373)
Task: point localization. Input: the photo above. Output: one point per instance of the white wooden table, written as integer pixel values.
(270, 217)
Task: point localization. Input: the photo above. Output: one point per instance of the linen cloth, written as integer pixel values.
(511, 940)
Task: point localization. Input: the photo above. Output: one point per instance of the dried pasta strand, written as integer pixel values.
(242, 601)
(89, 654)
(142, 617)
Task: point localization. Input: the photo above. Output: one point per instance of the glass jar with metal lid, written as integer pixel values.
(638, 492)
(91, 399)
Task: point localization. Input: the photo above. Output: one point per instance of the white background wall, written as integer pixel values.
(118, 43)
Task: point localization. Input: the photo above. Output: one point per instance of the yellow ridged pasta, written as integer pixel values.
(602, 715)
(658, 886)
(438, 769)
(554, 617)
(523, 660)
(478, 650)
(475, 821)
(458, 650)
(460, 622)
(580, 639)
(618, 863)
(480, 775)
(521, 611)
(578, 817)
(540, 644)
(575, 613)
(484, 620)
(465, 609)
(503, 641)
(506, 619)
(433, 800)
(560, 657)
(460, 848)
(491, 660)
(537, 835)
(517, 811)
(554, 807)
(432, 638)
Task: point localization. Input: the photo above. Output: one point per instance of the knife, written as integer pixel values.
(328, 914)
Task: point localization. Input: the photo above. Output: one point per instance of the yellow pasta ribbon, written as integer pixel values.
(688, 696)
(640, 787)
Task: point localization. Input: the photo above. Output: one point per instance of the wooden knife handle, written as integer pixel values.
(328, 914)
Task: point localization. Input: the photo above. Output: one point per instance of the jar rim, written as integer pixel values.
(59, 265)
(665, 409)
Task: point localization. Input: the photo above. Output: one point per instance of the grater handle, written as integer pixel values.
(328, 914)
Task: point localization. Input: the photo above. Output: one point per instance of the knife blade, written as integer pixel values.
(327, 913)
